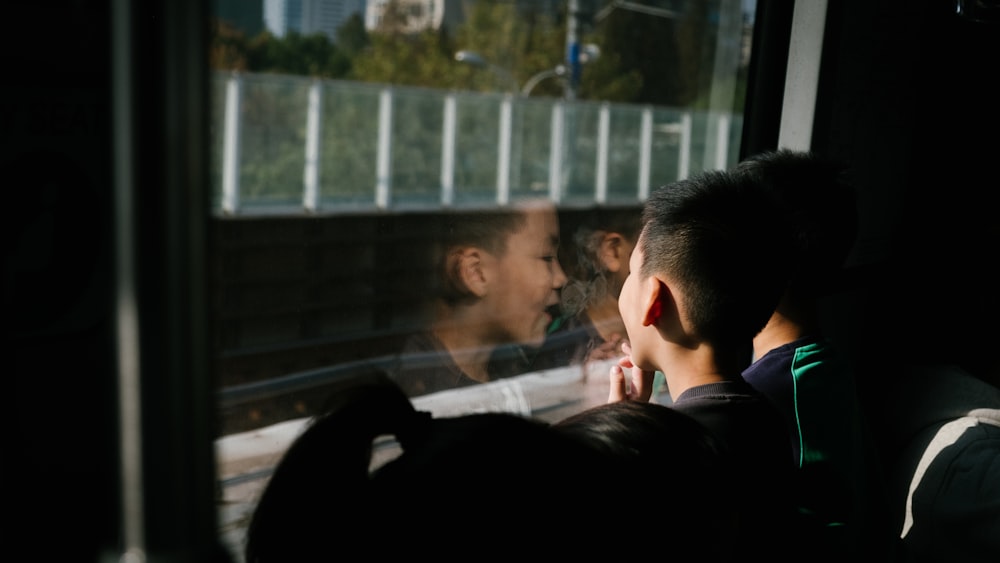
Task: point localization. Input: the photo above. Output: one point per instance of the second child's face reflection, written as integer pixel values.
(527, 280)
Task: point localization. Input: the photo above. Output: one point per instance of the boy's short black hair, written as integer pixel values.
(727, 244)
(821, 202)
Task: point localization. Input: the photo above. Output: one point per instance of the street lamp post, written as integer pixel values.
(475, 59)
(572, 50)
(559, 70)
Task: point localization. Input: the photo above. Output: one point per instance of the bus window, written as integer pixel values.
(382, 171)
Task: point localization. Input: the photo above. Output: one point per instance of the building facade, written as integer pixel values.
(309, 17)
(417, 15)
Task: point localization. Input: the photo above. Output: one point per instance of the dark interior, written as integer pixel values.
(908, 96)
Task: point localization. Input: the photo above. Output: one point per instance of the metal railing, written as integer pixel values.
(299, 146)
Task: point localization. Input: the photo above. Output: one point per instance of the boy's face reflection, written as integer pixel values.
(526, 279)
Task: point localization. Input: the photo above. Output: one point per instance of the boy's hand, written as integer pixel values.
(638, 386)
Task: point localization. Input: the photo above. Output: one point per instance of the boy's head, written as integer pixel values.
(664, 445)
(504, 264)
(821, 203)
(597, 258)
(714, 255)
(455, 473)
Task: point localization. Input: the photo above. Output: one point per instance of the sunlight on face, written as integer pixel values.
(631, 306)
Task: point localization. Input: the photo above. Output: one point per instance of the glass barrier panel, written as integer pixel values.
(531, 151)
(273, 127)
(349, 148)
(623, 151)
(579, 167)
(417, 116)
(477, 138)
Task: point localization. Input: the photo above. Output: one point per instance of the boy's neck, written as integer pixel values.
(788, 323)
(468, 353)
(778, 332)
(700, 366)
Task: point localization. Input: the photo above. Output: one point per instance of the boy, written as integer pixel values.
(712, 259)
(500, 276)
(804, 373)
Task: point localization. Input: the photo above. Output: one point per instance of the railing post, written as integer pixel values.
(716, 154)
(684, 164)
(601, 173)
(645, 152)
(383, 174)
(310, 177)
(448, 152)
(231, 145)
(503, 152)
(722, 142)
(555, 153)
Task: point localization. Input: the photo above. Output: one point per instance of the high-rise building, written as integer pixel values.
(282, 16)
(419, 14)
(308, 17)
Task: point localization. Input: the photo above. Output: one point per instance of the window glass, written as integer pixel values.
(352, 142)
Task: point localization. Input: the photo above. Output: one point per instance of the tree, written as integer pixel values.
(523, 41)
(352, 37)
(423, 59)
(639, 60)
(227, 50)
(308, 55)
(645, 58)
(396, 55)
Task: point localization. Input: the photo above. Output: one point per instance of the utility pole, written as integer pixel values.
(572, 48)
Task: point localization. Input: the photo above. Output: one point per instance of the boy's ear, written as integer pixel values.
(658, 298)
(468, 270)
(611, 252)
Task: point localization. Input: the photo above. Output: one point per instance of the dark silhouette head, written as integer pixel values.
(486, 484)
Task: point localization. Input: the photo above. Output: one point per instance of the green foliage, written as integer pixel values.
(352, 37)
(423, 59)
(523, 43)
(696, 49)
(644, 58)
(228, 48)
(639, 60)
(310, 55)
(605, 79)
